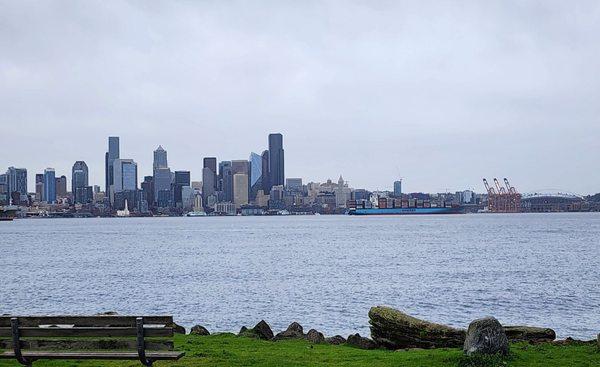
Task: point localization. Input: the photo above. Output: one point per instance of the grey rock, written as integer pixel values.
(262, 330)
(199, 330)
(315, 336)
(361, 342)
(529, 334)
(336, 340)
(486, 336)
(394, 330)
(294, 331)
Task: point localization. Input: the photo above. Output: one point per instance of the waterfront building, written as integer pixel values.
(256, 175)
(276, 160)
(398, 188)
(79, 179)
(61, 187)
(109, 158)
(49, 185)
(225, 208)
(240, 189)
(39, 186)
(125, 175)
(16, 181)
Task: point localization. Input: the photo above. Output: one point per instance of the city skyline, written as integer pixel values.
(438, 94)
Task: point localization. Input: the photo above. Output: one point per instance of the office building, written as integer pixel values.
(211, 163)
(208, 185)
(160, 159)
(39, 186)
(293, 184)
(84, 195)
(187, 198)
(398, 188)
(240, 166)
(148, 190)
(227, 182)
(266, 184)
(109, 158)
(181, 179)
(276, 160)
(222, 166)
(124, 175)
(240, 189)
(61, 187)
(49, 185)
(16, 180)
(162, 182)
(79, 179)
(256, 175)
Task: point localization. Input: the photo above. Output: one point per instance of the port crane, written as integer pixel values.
(502, 199)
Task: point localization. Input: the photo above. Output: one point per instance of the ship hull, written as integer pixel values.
(405, 211)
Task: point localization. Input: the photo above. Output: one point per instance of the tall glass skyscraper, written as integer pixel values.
(124, 175)
(79, 180)
(49, 185)
(109, 158)
(16, 180)
(162, 177)
(211, 163)
(160, 159)
(256, 174)
(276, 160)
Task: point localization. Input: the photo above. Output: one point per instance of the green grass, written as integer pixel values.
(229, 350)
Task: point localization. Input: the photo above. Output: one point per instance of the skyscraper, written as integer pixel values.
(162, 186)
(124, 175)
(211, 163)
(208, 185)
(276, 160)
(49, 185)
(256, 174)
(61, 187)
(398, 188)
(222, 166)
(182, 179)
(79, 179)
(240, 189)
(109, 158)
(160, 159)
(16, 180)
(39, 187)
(266, 187)
(227, 182)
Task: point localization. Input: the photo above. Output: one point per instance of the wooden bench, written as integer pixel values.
(32, 338)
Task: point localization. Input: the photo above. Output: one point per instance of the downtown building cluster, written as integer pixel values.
(253, 186)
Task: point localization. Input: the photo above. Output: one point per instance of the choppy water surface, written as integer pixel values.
(323, 271)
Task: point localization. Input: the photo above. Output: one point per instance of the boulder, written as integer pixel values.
(177, 329)
(199, 330)
(486, 336)
(294, 331)
(394, 329)
(315, 336)
(529, 334)
(262, 330)
(336, 340)
(361, 342)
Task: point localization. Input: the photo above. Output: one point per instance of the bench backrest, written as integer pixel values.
(87, 332)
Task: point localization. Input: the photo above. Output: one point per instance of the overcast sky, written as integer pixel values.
(439, 93)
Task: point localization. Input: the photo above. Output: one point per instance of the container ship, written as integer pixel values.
(390, 206)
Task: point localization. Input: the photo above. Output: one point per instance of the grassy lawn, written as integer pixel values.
(229, 350)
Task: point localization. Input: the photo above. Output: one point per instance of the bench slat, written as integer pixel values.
(86, 332)
(95, 355)
(86, 321)
(74, 344)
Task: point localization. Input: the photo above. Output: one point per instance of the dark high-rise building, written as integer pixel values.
(398, 189)
(276, 160)
(211, 163)
(208, 185)
(16, 180)
(79, 179)
(84, 195)
(49, 185)
(163, 178)
(226, 174)
(61, 187)
(148, 190)
(266, 184)
(182, 178)
(109, 158)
